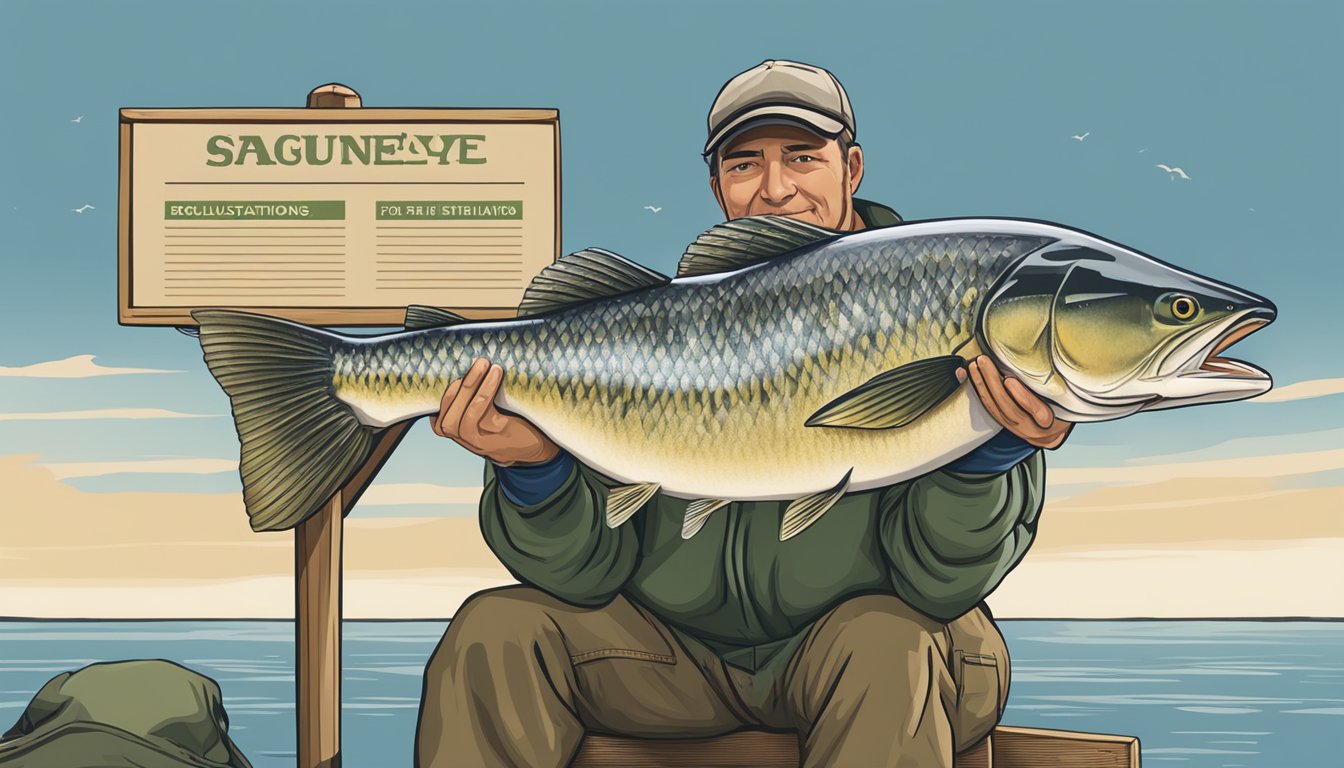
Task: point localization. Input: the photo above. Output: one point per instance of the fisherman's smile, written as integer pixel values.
(768, 212)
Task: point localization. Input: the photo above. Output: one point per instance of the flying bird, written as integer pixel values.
(77, 119)
(1141, 151)
(653, 208)
(82, 208)
(1084, 136)
(1174, 171)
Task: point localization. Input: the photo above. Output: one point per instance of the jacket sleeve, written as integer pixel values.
(950, 537)
(561, 543)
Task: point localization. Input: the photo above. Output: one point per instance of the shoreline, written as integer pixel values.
(997, 619)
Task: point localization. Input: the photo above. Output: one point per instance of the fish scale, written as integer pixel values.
(799, 370)
(659, 368)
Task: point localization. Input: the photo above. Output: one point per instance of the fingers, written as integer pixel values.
(1010, 406)
(450, 418)
(989, 386)
(1033, 405)
(1054, 437)
(1019, 410)
(481, 404)
(437, 422)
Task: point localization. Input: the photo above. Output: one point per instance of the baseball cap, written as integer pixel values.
(780, 92)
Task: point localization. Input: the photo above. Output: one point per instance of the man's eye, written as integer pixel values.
(804, 159)
(742, 167)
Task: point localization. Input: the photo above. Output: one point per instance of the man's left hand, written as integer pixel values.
(1014, 406)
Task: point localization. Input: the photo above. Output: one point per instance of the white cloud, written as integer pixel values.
(1302, 390)
(1279, 465)
(67, 470)
(1251, 445)
(104, 413)
(76, 367)
(1287, 578)
(386, 494)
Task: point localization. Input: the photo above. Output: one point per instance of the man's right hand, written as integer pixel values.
(467, 414)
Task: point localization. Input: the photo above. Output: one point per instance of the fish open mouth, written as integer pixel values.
(1226, 366)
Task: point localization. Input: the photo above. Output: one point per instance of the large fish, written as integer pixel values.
(784, 362)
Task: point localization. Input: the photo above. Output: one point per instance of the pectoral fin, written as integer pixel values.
(894, 398)
(625, 500)
(697, 513)
(809, 509)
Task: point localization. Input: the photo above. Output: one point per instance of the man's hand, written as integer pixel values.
(468, 415)
(1014, 406)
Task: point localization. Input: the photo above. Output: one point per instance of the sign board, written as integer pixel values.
(336, 217)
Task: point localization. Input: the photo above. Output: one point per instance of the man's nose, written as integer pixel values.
(777, 188)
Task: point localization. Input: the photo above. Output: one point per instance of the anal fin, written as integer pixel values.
(697, 514)
(623, 501)
(808, 509)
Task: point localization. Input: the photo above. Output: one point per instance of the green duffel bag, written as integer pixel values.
(124, 714)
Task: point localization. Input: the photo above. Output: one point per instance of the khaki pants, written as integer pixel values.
(519, 677)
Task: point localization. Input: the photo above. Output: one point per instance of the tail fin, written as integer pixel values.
(299, 443)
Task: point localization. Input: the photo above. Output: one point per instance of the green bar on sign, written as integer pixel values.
(449, 209)
(214, 210)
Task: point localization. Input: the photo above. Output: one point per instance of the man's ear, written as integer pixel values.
(855, 160)
(718, 194)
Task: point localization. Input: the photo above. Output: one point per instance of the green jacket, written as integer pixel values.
(941, 542)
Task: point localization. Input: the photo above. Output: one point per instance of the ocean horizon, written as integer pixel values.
(1204, 693)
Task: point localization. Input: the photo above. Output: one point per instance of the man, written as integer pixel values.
(865, 634)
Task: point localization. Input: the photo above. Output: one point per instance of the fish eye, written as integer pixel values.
(1184, 307)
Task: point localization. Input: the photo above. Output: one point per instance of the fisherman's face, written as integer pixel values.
(782, 170)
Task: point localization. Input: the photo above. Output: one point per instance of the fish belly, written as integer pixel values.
(706, 388)
(746, 453)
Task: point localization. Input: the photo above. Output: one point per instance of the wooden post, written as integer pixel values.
(317, 576)
(317, 630)
(317, 636)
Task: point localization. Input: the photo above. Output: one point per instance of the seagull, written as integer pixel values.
(77, 119)
(1084, 136)
(82, 208)
(1176, 171)
(653, 208)
(1141, 151)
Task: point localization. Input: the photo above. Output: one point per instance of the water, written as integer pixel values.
(1198, 694)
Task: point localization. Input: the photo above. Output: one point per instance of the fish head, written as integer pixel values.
(1102, 331)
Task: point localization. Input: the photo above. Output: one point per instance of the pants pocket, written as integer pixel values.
(621, 630)
(977, 676)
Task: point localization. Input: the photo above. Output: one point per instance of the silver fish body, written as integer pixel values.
(780, 375)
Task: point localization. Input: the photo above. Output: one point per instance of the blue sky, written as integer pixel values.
(963, 108)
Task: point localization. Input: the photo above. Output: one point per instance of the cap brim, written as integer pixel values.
(823, 125)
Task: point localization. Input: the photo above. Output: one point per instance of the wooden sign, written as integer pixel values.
(336, 217)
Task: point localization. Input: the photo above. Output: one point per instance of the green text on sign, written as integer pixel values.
(214, 210)
(450, 209)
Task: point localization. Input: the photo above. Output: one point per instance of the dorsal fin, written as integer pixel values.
(592, 273)
(743, 242)
(420, 317)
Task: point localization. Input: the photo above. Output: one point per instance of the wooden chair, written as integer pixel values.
(1006, 747)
